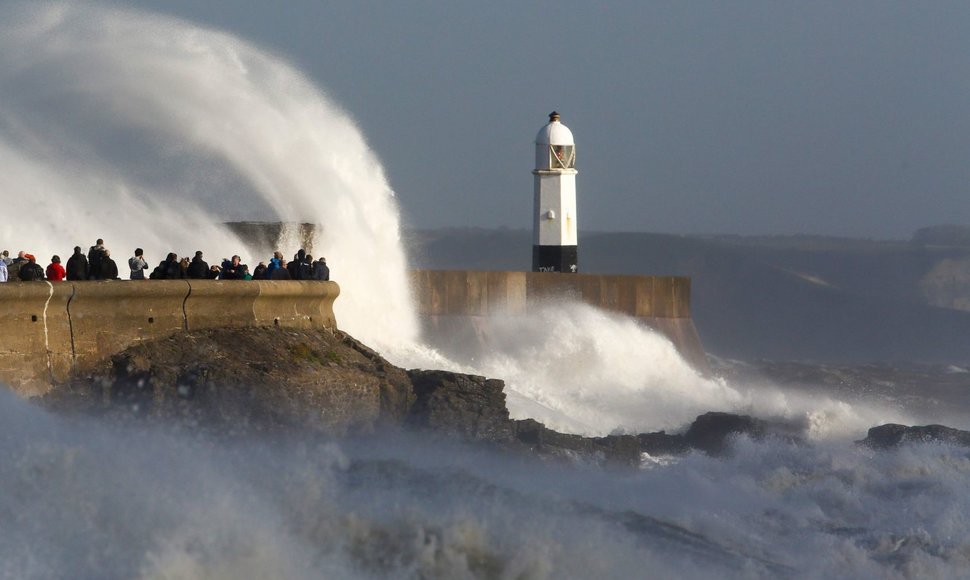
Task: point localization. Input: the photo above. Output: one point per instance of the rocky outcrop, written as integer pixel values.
(613, 449)
(661, 444)
(469, 406)
(892, 435)
(711, 431)
(396, 393)
(231, 381)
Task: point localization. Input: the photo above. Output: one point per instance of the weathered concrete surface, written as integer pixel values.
(220, 304)
(289, 304)
(471, 293)
(108, 315)
(296, 304)
(35, 335)
(51, 331)
(455, 305)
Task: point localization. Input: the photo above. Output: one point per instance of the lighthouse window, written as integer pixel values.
(562, 157)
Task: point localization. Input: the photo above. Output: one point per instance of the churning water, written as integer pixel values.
(88, 500)
(150, 131)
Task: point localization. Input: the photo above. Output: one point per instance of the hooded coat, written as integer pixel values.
(274, 264)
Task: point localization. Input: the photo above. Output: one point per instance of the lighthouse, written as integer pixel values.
(554, 212)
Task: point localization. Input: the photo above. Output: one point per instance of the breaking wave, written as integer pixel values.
(152, 132)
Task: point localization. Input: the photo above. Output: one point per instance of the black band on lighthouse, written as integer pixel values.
(555, 259)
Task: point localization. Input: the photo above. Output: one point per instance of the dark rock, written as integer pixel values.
(132, 387)
(893, 435)
(618, 449)
(468, 406)
(660, 443)
(528, 431)
(396, 392)
(710, 432)
(545, 441)
(614, 450)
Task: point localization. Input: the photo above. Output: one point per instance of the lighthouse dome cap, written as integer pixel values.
(555, 133)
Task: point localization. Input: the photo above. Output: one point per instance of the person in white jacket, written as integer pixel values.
(138, 265)
(3, 271)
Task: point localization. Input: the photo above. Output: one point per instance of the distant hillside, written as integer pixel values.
(943, 235)
(800, 298)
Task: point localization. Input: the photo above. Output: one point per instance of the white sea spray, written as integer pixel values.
(148, 131)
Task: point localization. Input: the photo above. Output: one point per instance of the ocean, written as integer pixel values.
(85, 499)
(140, 129)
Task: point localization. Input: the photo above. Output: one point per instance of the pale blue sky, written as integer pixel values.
(833, 117)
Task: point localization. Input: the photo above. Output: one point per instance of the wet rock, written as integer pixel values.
(894, 435)
(612, 450)
(710, 432)
(662, 444)
(468, 406)
(131, 387)
(396, 391)
(545, 441)
(618, 449)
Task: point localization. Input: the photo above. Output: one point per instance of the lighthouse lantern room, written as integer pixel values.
(554, 241)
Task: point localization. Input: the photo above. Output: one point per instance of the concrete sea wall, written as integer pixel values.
(455, 304)
(51, 331)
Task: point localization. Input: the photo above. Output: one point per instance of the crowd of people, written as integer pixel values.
(99, 265)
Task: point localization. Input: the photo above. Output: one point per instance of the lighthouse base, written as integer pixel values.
(555, 259)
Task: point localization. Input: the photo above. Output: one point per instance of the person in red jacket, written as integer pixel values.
(55, 272)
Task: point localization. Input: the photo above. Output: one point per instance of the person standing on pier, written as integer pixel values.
(198, 268)
(77, 266)
(95, 258)
(137, 265)
(320, 270)
(109, 269)
(30, 271)
(55, 272)
(13, 268)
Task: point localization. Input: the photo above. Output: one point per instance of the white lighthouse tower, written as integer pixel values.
(554, 240)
